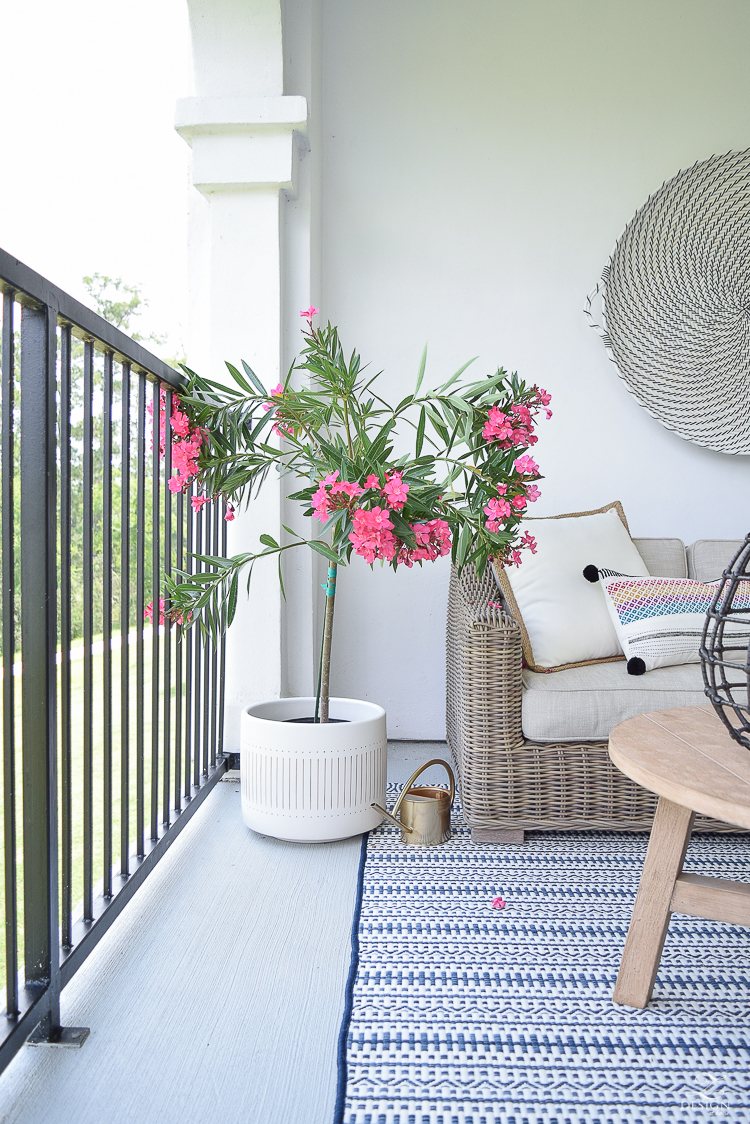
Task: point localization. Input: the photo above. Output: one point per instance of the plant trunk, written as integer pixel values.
(325, 659)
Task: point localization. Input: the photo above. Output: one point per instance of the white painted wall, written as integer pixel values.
(470, 167)
(479, 161)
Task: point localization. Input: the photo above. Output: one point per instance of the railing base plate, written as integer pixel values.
(70, 1036)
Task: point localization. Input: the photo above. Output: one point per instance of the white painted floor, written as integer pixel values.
(218, 994)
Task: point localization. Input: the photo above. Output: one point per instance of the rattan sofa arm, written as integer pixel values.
(484, 686)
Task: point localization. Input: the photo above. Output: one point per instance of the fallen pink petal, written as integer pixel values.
(498, 903)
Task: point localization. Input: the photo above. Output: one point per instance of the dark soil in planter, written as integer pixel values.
(312, 722)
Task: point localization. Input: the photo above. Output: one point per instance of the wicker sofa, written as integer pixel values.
(511, 783)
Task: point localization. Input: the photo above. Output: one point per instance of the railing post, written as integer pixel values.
(38, 632)
(38, 635)
(39, 680)
(9, 648)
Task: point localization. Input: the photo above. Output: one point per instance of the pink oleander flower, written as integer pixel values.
(347, 488)
(281, 427)
(522, 436)
(542, 397)
(372, 481)
(498, 509)
(321, 501)
(526, 465)
(433, 541)
(332, 494)
(374, 520)
(321, 506)
(498, 426)
(179, 421)
(372, 535)
(502, 489)
(529, 541)
(395, 491)
(185, 445)
(515, 558)
(174, 616)
(532, 493)
(148, 612)
(308, 313)
(199, 501)
(519, 502)
(277, 392)
(230, 513)
(522, 413)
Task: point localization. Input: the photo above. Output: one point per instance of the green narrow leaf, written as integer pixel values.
(289, 530)
(463, 544)
(236, 375)
(438, 424)
(281, 580)
(324, 549)
(253, 377)
(457, 376)
(420, 376)
(458, 403)
(267, 540)
(263, 421)
(420, 432)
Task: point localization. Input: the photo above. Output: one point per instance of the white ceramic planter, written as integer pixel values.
(312, 782)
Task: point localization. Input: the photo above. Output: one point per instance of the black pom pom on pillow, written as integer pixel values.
(636, 666)
(591, 574)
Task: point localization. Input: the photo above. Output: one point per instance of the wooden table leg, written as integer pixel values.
(670, 835)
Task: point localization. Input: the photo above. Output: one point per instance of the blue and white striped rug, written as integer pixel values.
(458, 1013)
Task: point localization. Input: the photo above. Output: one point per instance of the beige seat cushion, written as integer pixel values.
(584, 703)
(664, 558)
(708, 558)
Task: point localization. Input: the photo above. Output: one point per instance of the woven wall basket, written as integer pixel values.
(676, 304)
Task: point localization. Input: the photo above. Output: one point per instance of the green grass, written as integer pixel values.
(77, 773)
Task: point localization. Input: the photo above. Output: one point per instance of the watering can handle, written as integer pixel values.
(421, 769)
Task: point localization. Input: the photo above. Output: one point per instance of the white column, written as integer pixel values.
(302, 611)
(246, 138)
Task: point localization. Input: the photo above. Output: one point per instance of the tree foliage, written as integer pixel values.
(336, 436)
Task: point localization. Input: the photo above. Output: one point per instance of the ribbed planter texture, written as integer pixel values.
(312, 783)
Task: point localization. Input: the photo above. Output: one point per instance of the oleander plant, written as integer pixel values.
(462, 489)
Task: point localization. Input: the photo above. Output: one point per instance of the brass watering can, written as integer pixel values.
(425, 811)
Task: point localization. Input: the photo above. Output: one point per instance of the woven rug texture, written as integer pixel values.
(464, 1014)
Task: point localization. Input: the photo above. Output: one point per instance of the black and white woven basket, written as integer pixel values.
(676, 304)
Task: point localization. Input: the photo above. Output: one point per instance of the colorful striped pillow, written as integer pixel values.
(659, 621)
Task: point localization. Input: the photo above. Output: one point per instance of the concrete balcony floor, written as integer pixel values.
(218, 994)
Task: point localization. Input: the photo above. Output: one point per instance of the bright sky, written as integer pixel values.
(93, 177)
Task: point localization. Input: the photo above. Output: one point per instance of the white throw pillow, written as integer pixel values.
(564, 617)
(660, 620)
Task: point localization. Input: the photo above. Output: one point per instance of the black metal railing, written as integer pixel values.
(112, 727)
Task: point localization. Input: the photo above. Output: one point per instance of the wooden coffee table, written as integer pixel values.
(688, 759)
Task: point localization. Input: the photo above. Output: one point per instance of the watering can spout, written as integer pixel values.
(425, 811)
(387, 814)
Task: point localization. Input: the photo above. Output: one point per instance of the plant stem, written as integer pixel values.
(325, 659)
(346, 421)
